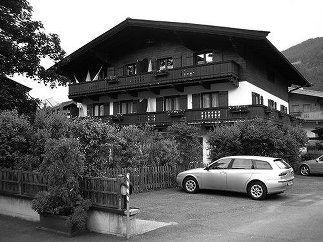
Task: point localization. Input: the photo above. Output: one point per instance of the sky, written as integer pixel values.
(77, 22)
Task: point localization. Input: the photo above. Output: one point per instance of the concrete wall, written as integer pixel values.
(99, 221)
(17, 207)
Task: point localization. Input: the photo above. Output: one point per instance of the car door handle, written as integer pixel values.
(223, 173)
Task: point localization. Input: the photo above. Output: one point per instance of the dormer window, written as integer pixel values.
(131, 69)
(204, 58)
(165, 64)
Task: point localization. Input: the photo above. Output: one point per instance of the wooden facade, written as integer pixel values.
(157, 72)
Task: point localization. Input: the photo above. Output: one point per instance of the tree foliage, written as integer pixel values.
(188, 141)
(257, 137)
(15, 96)
(23, 43)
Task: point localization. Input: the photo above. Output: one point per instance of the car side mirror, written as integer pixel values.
(317, 159)
(207, 168)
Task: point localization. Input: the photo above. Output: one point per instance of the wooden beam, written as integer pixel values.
(154, 90)
(113, 95)
(206, 85)
(179, 88)
(132, 93)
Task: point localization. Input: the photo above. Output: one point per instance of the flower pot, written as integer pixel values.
(57, 224)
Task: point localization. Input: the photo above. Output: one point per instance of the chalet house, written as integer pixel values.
(68, 108)
(308, 105)
(158, 73)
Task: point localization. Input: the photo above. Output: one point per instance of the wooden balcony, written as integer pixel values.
(309, 116)
(206, 117)
(204, 75)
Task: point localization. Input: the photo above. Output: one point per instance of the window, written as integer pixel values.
(126, 107)
(221, 164)
(210, 100)
(295, 108)
(172, 103)
(98, 110)
(262, 165)
(242, 164)
(204, 58)
(272, 104)
(165, 64)
(131, 69)
(306, 108)
(257, 99)
(283, 109)
(282, 164)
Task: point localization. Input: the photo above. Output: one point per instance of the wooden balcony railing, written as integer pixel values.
(229, 69)
(208, 116)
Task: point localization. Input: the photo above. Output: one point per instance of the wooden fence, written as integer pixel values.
(150, 178)
(103, 191)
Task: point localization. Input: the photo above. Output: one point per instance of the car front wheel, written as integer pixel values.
(304, 170)
(190, 185)
(257, 191)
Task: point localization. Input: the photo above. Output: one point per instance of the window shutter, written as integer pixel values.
(253, 98)
(159, 104)
(223, 99)
(261, 100)
(106, 109)
(183, 102)
(135, 106)
(89, 110)
(196, 100)
(177, 61)
(120, 71)
(188, 59)
(116, 106)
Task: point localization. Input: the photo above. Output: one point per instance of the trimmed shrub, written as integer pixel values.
(257, 137)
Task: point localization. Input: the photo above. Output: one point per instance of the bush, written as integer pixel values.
(189, 143)
(257, 137)
(63, 166)
(15, 134)
(99, 142)
(311, 155)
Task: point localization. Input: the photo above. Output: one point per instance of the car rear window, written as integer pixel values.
(262, 165)
(282, 164)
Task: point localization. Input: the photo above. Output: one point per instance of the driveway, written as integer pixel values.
(295, 215)
(209, 216)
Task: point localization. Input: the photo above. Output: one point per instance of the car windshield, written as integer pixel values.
(282, 164)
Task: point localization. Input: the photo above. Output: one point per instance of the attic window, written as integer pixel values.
(165, 64)
(131, 69)
(204, 58)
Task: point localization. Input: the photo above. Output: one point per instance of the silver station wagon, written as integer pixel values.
(256, 175)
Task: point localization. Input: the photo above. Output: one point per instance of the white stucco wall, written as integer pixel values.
(243, 95)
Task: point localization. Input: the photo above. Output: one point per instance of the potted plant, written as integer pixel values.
(62, 208)
(239, 109)
(175, 113)
(117, 117)
(162, 72)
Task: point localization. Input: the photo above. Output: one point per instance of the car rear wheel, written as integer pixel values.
(257, 190)
(304, 170)
(190, 185)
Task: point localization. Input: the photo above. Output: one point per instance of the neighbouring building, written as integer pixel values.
(68, 108)
(308, 105)
(156, 72)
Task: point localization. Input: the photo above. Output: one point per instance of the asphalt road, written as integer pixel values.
(296, 215)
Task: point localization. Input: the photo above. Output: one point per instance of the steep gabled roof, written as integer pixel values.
(121, 32)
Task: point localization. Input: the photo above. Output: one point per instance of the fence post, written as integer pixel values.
(119, 178)
(128, 207)
(20, 182)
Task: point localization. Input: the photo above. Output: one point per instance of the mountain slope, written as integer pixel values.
(307, 57)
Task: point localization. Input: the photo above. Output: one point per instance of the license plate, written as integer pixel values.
(289, 183)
